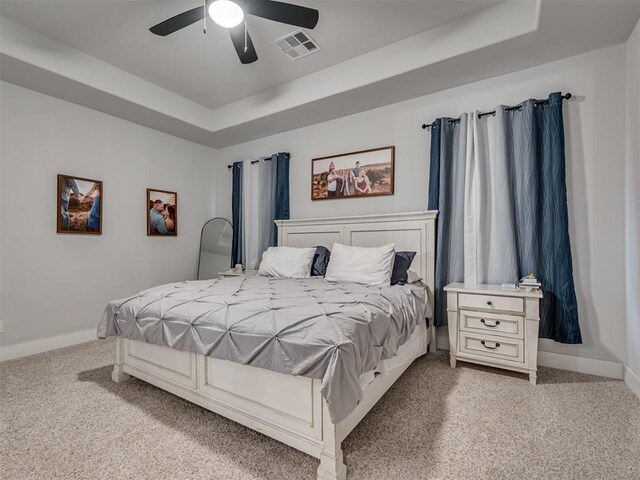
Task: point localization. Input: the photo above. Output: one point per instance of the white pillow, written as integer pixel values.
(412, 276)
(290, 262)
(368, 265)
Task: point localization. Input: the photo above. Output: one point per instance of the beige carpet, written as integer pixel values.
(63, 418)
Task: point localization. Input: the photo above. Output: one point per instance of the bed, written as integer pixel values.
(272, 353)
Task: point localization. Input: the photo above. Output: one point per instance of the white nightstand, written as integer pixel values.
(493, 326)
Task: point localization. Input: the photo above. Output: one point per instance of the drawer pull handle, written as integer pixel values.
(495, 347)
(497, 322)
(489, 302)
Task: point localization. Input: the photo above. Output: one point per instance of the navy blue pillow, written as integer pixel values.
(401, 264)
(320, 261)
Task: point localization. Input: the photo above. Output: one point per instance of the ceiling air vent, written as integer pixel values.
(297, 45)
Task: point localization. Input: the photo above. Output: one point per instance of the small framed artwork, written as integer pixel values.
(162, 213)
(367, 173)
(79, 205)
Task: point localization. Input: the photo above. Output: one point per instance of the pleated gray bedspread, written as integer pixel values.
(310, 327)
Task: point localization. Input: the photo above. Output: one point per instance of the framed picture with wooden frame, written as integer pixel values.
(79, 205)
(365, 173)
(162, 213)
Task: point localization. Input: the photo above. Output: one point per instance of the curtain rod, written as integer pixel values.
(566, 96)
(253, 162)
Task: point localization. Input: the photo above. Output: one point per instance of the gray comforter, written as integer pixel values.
(310, 327)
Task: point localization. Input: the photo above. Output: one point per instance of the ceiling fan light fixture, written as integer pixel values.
(226, 13)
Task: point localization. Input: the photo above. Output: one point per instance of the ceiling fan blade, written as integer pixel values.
(178, 22)
(284, 13)
(237, 37)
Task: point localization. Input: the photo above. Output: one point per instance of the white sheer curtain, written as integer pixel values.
(489, 218)
(257, 196)
(476, 195)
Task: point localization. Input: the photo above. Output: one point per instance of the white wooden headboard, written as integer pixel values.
(414, 231)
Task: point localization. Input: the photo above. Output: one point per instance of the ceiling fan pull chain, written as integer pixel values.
(245, 36)
(204, 20)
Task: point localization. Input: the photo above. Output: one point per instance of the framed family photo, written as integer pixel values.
(366, 173)
(79, 205)
(162, 213)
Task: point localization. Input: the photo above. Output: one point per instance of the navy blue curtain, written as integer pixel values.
(446, 194)
(440, 309)
(236, 215)
(535, 135)
(281, 193)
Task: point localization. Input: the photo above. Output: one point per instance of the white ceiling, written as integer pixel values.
(98, 53)
(205, 68)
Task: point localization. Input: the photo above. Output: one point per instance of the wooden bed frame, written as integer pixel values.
(286, 407)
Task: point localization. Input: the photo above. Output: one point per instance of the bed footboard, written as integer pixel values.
(285, 407)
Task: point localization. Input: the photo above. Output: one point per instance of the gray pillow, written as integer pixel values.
(320, 261)
(401, 264)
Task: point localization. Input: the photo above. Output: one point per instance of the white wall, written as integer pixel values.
(633, 203)
(74, 276)
(58, 284)
(595, 170)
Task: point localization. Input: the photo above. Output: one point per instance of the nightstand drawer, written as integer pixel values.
(492, 323)
(491, 302)
(489, 346)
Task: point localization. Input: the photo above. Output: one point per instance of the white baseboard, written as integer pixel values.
(591, 366)
(632, 380)
(442, 341)
(38, 346)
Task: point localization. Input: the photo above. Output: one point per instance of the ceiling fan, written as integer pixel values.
(231, 14)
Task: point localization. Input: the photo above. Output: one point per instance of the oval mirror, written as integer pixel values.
(215, 248)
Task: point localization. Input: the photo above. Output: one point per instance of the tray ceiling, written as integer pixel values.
(205, 68)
